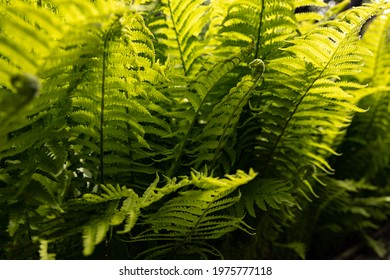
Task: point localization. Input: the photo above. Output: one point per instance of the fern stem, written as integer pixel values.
(259, 29)
(197, 223)
(172, 173)
(186, 138)
(106, 39)
(279, 138)
(177, 38)
(129, 142)
(105, 54)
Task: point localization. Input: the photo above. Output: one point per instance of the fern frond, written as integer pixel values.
(342, 204)
(178, 27)
(47, 187)
(17, 217)
(366, 145)
(195, 215)
(114, 207)
(126, 212)
(108, 68)
(267, 192)
(321, 58)
(26, 41)
(153, 193)
(201, 94)
(269, 22)
(34, 117)
(93, 234)
(221, 124)
(115, 213)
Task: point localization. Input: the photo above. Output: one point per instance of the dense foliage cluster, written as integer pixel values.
(170, 129)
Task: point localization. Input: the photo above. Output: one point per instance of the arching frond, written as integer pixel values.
(312, 106)
(116, 206)
(217, 137)
(202, 94)
(26, 42)
(340, 211)
(195, 215)
(109, 70)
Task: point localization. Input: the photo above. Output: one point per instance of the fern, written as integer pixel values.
(116, 206)
(101, 99)
(202, 94)
(268, 193)
(269, 22)
(341, 211)
(178, 28)
(194, 216)
(319, 95)
(365, 148)
(120, 207)
(106, 100)
(307, 93)
(17, 52)
(216, 136)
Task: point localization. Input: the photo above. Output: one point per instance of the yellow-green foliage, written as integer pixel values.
(161, 127)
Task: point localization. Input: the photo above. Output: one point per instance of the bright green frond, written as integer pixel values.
(202, 93)
(320, 58)
(221, 125)
(366, 146)
(195, 215)
(269, 22)
(178, 27)
(125, 126)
